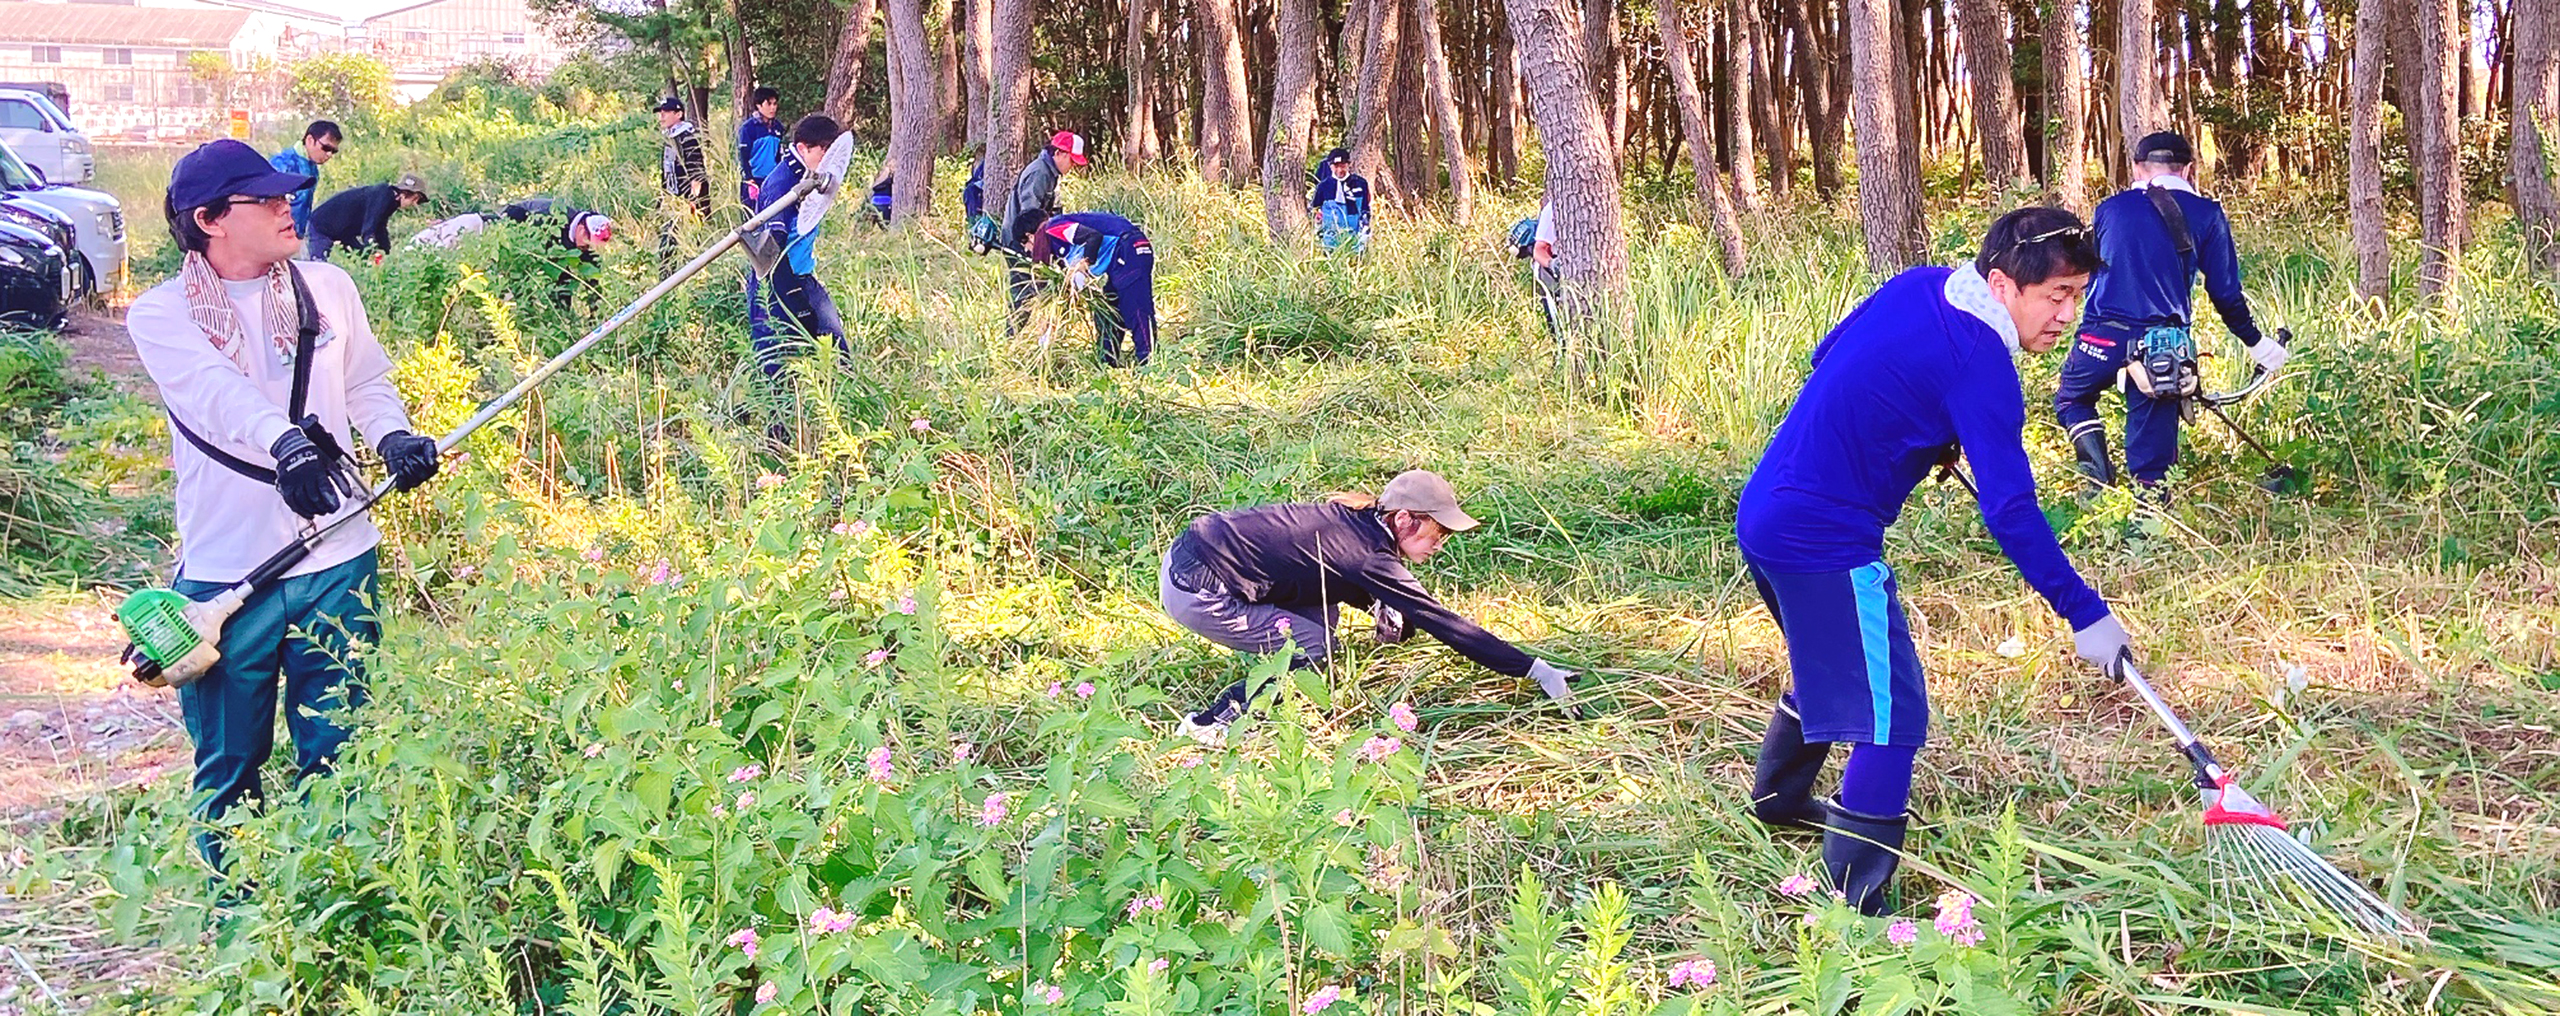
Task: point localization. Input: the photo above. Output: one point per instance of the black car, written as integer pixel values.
(35, 282)
(57, 227)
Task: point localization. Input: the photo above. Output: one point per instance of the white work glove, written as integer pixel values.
(1079, 275)
(2270, 352)
(1551, 679)
(2102, 643)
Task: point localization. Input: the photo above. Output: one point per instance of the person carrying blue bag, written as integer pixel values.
(1341, 204)
(1105, 251)
(1923, 370)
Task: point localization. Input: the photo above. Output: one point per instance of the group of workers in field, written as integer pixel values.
(269, 370)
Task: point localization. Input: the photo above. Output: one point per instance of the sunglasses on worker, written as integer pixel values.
(2065, 232)
(279, 203)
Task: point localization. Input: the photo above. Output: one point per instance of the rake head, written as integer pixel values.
(2265, 863)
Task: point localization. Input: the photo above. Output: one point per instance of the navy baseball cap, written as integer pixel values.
(220, 169)
(2165, 148)
(668, 105)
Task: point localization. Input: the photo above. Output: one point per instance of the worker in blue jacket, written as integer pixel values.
(973, 195)
(794, 286)
(319, 144)
(1105, 250)
(2155, 237)
(1341, 204)
(760, 143)
(1922, 370)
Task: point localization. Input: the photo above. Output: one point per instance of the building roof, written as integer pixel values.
(116, 25)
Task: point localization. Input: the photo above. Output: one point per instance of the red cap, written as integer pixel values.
(1070, 143)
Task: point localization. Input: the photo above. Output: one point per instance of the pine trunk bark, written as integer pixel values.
(2364, 155)
(974, 69)
(2066, 102)
(1008, 118)
(915, 112)
(1600, 60)
(2139, 109)
(2534, 97)
(2439, 154)
(1226, 132)
(742, 65)
(1139, 144)
(1985, 27)
(949, 94)
(1582, 175)
(1742, 67)
(1293, 115)
(1693, 122)
(1815, 57)
(853, 45)
(1410, 118)
(1888, 189)
(1377, 71)
(1444, 111)
(1768, 118)
(1503, 138)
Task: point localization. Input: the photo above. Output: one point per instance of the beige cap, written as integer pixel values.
(1421, 490)
(411, 183)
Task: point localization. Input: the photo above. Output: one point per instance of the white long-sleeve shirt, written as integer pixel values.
(229, 523)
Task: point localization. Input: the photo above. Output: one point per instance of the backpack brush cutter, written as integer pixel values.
(175, 638)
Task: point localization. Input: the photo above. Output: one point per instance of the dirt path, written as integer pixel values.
(74, 726)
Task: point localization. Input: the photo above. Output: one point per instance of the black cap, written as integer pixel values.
(669, 105)
(2165, 148)
(1338, 155)
(220, 169)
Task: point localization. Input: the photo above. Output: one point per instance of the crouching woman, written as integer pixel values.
(1260, 580)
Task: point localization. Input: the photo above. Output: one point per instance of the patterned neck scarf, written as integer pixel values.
(209, 306)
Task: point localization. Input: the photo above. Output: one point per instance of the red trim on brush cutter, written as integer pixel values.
(2215, 814)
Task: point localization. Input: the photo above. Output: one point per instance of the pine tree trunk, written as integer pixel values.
(1693, 122)
(1293, 115)
(915, 112)
(1741, 67)
(1985, 26)
(1008, 118)
(974, 69)
(949, 95)
(1503, 139)
(1355, 52)
(1139, 144)
(742, 63)
(2066, 95)
(844, 72)
(1768, 117)
(1888, 189)
(1600, 61)
(1377, 71)
(2139, 109)
(2441, 208)
(1410, 118)
(2534, 97)
(1444, 110)
(1225, 134)
(1815, 57)
(2364, 155)
(1582, 175)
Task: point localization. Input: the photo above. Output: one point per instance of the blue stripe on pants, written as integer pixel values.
(1875, 637)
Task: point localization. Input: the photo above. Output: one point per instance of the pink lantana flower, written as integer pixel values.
(878, 760)
(841, 529)
(875, 657)
(1159, 965)
(907, 604)
(1797, 885)
(766, 992)
(745, 772)
(1084, 689)
(827, 921)
(744, 940)
(1318, 1002)
(1378, 748)
(1693, 973)
(992, 813)
(593, 554)
(1902, 932)
(1048, 993)
(1346, 818)
(1402, 716)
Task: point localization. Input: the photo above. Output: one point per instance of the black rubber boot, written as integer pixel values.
(1782, 782)
(2090, 448)
(1861, 852)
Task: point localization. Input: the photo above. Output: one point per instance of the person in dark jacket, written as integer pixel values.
(883, 193)
(1341, 204)
(1032, 201)
(973, 194)
(682, 170)
(360, 217)
(2144, 296)
(795, 285)
(1263, 580)
(572, 231)
(760, 144)
(1921, 371)
(1099, 248)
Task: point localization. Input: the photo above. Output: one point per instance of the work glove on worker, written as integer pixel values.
(409, 458)
(1390, 627)
(1080, 275)
(1551, 679)
(311, 484)
(2271, 353)
(2102, 643)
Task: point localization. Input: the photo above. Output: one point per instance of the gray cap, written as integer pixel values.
(410, 182)
(1421, 490)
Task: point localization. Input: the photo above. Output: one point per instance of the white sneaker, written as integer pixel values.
(1210, 735)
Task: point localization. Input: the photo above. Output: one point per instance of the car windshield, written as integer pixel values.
(14, 175)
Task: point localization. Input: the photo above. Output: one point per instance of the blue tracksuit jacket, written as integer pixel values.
(799, 249)
(1923, 366)
(759, 151)
(291, 160)
(2148, 283)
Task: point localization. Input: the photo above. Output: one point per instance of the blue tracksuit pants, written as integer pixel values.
(2096, 363)
(1132, 284)
(812, 311)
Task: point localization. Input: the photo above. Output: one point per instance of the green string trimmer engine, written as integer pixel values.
(173, 636)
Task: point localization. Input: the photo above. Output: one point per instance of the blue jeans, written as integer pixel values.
(298, 632)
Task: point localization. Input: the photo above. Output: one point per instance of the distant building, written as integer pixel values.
(133, 73)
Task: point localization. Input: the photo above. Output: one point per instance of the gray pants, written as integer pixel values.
(1220, 616)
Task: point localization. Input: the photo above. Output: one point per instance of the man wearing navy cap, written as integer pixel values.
(268, 369)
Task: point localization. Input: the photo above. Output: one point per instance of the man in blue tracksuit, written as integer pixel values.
(1099, 247)
(1920, 371)
(319, 144)
(794, 287)
(1341, 204)
(2155, 238)
(760, 144)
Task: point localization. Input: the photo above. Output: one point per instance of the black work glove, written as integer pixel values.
(409, 458)
(310, 483)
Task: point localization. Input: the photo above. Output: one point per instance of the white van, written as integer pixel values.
(97, 220)
(32, 126)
